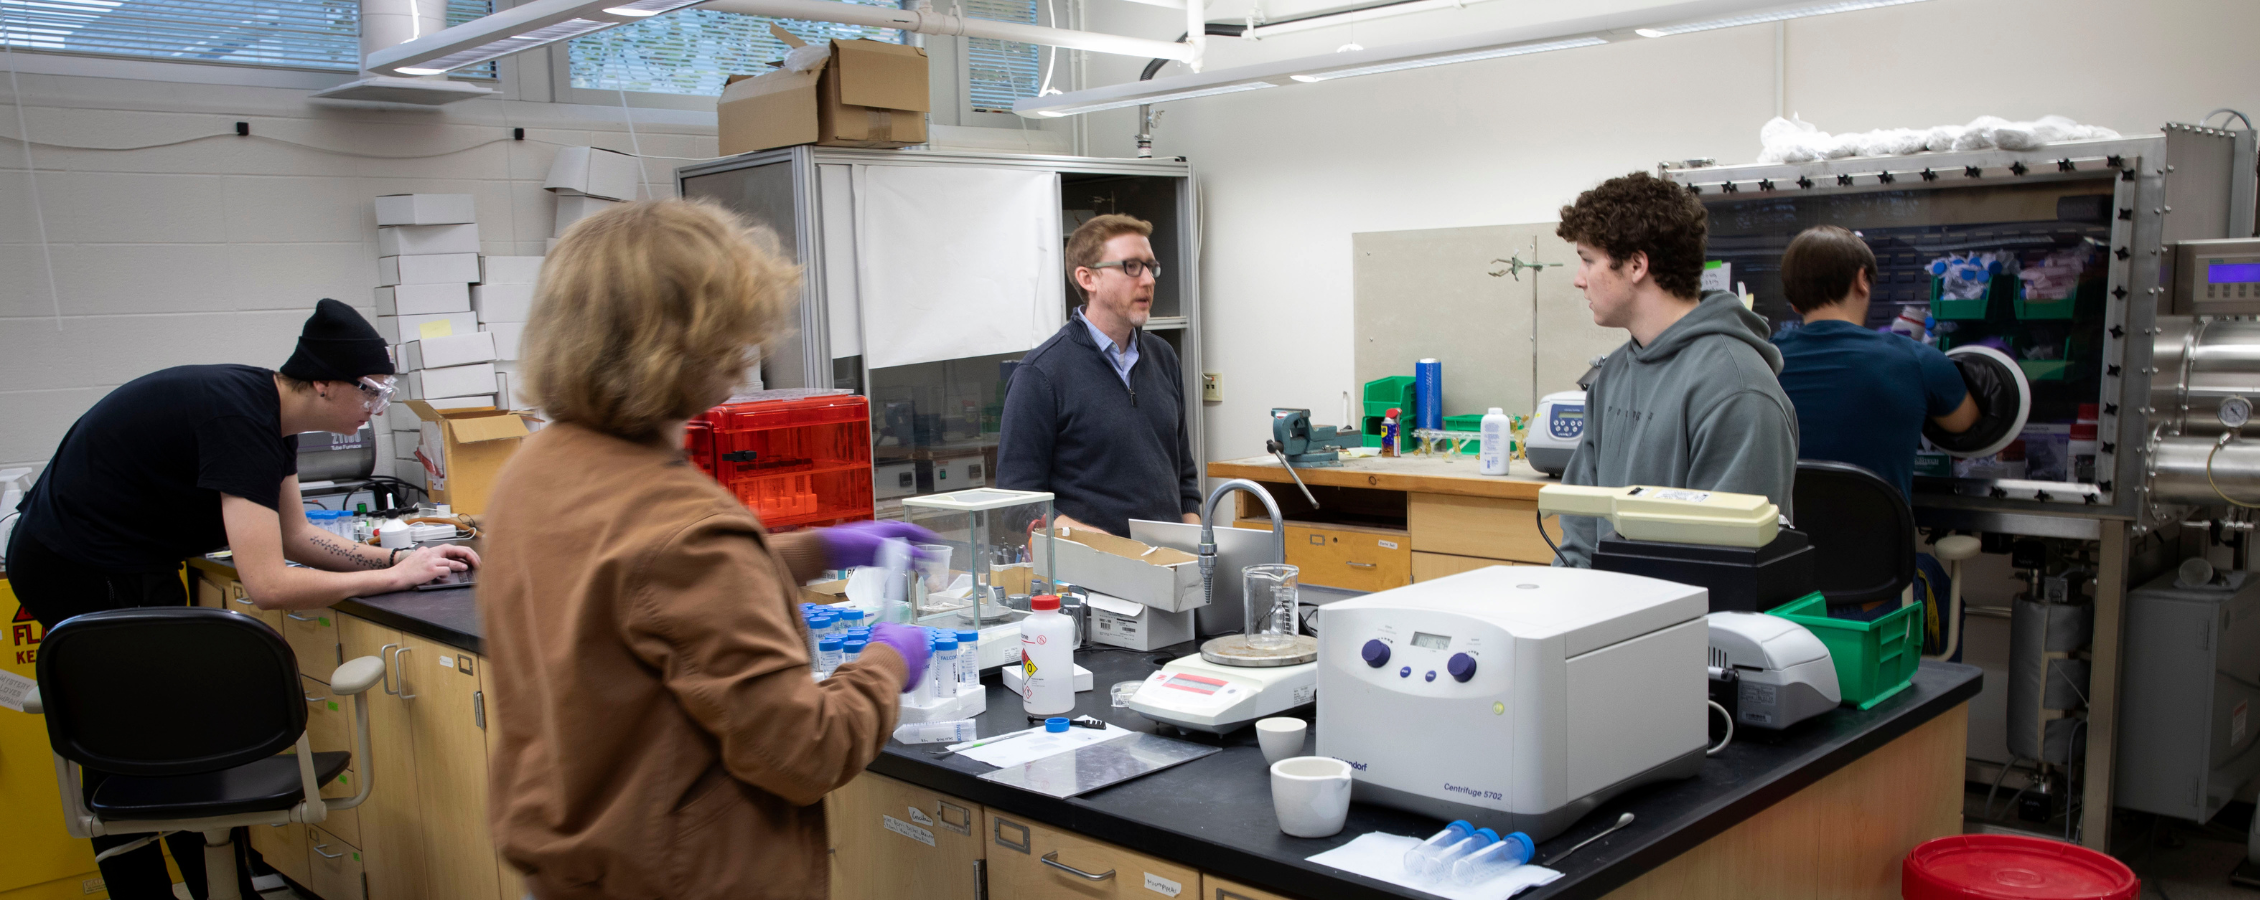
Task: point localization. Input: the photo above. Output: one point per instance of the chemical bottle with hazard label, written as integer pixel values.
(1047, 659)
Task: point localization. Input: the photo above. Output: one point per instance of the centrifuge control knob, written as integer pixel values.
(1376, 654)
(1462, 667)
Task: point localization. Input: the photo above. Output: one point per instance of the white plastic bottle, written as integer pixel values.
(1498, 432)
(941, 671)
(968, 662)
(1047, 662)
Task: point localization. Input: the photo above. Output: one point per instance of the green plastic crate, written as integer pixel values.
(1470, 422)
(1874, 660)
(1382, 394)
(1975, 308)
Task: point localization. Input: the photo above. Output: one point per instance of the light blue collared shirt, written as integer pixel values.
(1122, 359)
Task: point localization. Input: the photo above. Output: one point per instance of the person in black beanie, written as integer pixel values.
(187, 460)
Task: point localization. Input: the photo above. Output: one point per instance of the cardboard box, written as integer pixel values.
(510, 269)
(868, 94)
(1161, 577)
(453, 381)
(824, 592)
(590, 172)
(502, 302)
(404, 240)
(432, 268)
(423, 299)
(506, 338)
(1136, 626)
(415, 328)
(453, 350)
(463, 450)
(398, 417)
(425, 209)
(574, 209)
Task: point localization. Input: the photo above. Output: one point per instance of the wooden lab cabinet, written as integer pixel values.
(389, 833)
(890, 839)
(1030, 861)
(1214, 888)
(447, 727)
(1493, 528)
(312, 635)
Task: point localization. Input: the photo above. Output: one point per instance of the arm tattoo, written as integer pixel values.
(349, 554)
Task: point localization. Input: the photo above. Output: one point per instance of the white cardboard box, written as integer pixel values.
(433, 268)
(414, 328)
(399, 240)
(502, 391)
(425, 209)
(1161, 577)
(588, 171)
(423, 299)
(573, 209)
(1136, 626)
(502, 302)
(453, 381)
(506, 338)
(452, 350)
(510, 269)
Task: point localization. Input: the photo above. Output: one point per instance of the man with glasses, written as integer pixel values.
(1096, 414)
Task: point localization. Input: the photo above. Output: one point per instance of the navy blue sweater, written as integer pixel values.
(1108, 452)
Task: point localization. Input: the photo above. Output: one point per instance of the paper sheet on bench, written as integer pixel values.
(1382, 856)
(1019, 750)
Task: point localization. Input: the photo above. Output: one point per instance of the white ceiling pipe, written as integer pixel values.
(1351, 17)
(929, 21)
(389, 23)
(1196, 31)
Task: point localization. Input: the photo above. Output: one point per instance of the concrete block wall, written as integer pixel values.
(214, 250)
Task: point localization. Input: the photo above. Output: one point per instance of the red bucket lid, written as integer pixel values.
(2008, 867)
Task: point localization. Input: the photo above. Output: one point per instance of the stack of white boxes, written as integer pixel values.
(586, 180)
(502, 302)
(427, 262)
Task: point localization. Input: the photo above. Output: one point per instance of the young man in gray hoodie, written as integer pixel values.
(1691, 401)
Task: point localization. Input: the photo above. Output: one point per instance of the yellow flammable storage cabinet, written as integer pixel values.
(38, 860)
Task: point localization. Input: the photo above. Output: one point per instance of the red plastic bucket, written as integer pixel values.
(2007, 867)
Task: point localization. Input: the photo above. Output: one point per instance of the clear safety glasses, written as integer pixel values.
(376, 394)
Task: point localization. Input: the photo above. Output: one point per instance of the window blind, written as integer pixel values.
(695, 51)
(999, 72)
(306, 34)
(459, 12)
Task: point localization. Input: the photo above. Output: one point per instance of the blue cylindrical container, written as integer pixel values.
(1428, 394)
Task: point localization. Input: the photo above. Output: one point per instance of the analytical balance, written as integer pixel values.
(1515, 697)
(1239, 678)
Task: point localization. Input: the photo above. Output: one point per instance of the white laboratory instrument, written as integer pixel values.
(1671, 515)
(1197, 695)
(1783, 673)
(1515, 697)
(1554, 431)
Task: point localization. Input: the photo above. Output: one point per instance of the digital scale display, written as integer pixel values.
(2232, 273)
(1427, 641)
(1194, 683)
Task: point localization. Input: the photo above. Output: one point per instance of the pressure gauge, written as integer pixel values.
(2235, 411)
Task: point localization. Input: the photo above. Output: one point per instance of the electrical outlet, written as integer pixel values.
(1212, 387)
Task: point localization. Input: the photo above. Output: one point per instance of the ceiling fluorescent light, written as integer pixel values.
(1775, 15)
(1449, 59)
(519, 28)
(1162, 98)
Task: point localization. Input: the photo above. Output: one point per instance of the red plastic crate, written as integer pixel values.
(794, 462)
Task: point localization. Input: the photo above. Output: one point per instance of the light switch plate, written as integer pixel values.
(1212, 387)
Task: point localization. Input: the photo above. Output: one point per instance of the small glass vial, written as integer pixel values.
(828, 654)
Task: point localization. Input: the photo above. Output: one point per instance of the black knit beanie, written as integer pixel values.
(337, 345)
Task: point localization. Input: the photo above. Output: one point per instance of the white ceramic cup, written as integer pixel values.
(1311, 794)
(1280, 737)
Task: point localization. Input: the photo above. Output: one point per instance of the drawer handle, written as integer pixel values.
(310, 698)
(318, 852)
(389, 689)
(964, 824)
(1052, 859)
(404, 694)
(299, 618)
(238, 596)
(1359, 565)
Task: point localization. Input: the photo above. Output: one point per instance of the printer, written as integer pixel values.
(1781, 672)
(1514, 697)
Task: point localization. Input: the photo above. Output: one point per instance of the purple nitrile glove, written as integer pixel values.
(857, 543)
(910, 642)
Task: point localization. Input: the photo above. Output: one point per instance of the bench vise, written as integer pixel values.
(1299, 443)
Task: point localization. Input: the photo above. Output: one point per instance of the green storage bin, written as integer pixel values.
(1471, 422)
(1874, 660)
(2046, 309)
(1975, 308)
(1382, 395)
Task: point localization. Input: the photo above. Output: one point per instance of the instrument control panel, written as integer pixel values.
(2217, 277)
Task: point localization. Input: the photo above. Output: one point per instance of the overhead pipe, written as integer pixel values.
(925, 20)
(1316, 21)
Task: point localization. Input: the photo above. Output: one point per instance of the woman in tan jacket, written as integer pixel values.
(658, 730)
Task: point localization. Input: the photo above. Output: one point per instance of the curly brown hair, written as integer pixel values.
(1641, 213)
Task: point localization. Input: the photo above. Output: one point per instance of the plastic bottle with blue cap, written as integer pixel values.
(1055, 725)
(851, 649)
(1494, 859)
(1421, 859)
(941, 669)
(968, 661)
(828, 655)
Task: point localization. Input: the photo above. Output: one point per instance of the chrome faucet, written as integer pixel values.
(1208, 529)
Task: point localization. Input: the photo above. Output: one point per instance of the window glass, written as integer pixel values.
(695, 51)
(305, 34)
(1000, 72)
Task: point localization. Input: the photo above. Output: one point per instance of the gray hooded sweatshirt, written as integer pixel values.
(1699, 408)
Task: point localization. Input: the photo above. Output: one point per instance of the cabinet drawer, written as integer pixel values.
(1487, 527)
(1214, 888)
(312, 635)
(284, 848)
(891, 840)
(333, 865)
(1348, 557)
(240, 601)
(1028, 861)
(1431, 566)
(329, 726)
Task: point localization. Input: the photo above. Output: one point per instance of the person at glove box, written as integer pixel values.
(657, 730)
(1862, 396)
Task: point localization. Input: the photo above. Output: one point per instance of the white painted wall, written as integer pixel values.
(1289, 174)
(215, 251)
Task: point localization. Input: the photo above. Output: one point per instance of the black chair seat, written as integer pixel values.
(259, 786)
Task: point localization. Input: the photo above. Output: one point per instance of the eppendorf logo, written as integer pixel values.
(1353, 764)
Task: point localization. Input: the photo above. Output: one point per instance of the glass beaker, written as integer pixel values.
(1270, 594)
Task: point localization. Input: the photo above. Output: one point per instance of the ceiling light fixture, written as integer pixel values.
(1771, 15)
